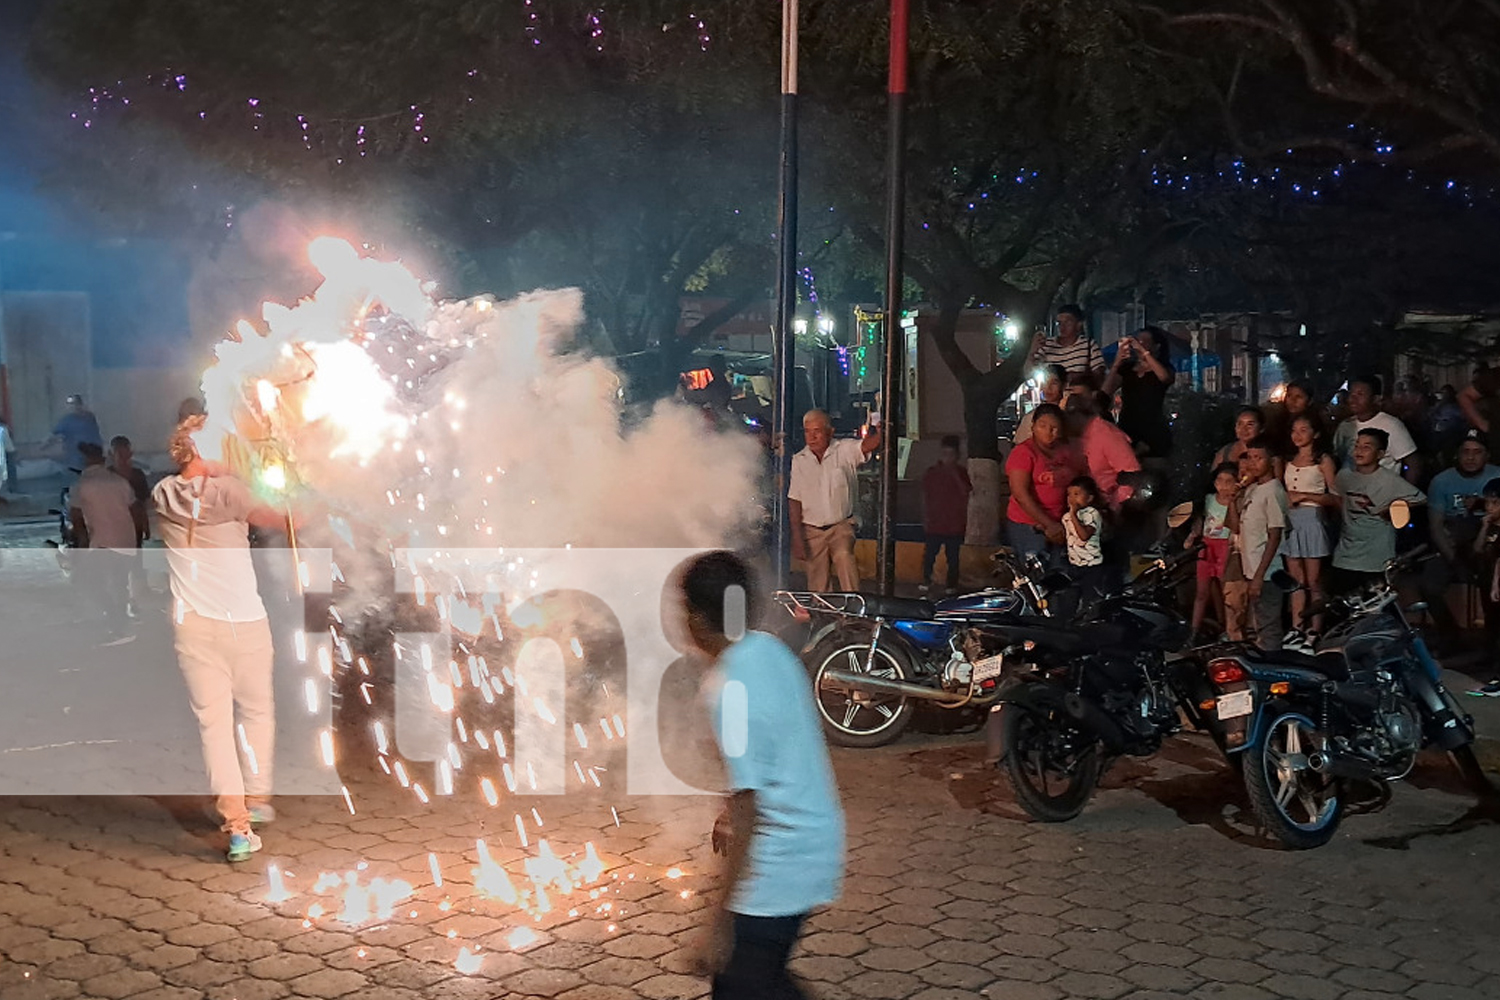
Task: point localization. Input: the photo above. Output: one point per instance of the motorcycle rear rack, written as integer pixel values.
(846, 605)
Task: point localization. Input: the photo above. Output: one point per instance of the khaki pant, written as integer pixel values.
(831, 545)
(227, 666)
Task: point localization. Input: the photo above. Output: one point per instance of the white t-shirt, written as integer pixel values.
(205, 525)
(826, 489)
(1400, 447)
(1265, 508)
(1080, 552)
(105, 500)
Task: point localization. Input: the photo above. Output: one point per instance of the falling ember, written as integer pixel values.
(537, 817)
(490, 878)
(299, 645)
(437, 872)
(325, 741)
(500, 746)
(266, 394)
(577, 649)
(521, 830)
(348, 801)
(674, 873)
(583, 739)
(547, 869)
(401, 775)
(315, 911)
(277, 892)
(612, 813)
(386, 896)
(326, 881)
(592, 867)
(488, 788)
(356, 901)
(325, 658)
(445, 778)
(543, 712)
(421, 794)
(381, 746)
(467, 962)
(619, 726)
(510, 777)
(310, 691)
(520, 938)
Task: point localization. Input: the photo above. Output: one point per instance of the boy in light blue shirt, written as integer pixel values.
(782, 831)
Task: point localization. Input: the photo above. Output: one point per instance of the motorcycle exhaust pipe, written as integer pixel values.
(846, 680)
(1339, 765)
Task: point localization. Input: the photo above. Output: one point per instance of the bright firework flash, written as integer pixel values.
(430, 431)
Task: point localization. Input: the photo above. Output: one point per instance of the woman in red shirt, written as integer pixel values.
(1040, 470)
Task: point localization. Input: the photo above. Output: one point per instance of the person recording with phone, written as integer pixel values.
(1142, 373)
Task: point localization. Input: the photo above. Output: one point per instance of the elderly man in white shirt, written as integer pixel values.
(820, 500)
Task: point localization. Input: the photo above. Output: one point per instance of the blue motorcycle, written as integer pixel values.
(872, 659)
(1357, 708)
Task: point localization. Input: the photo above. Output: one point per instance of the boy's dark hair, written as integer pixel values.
(90, 451)
(1087, 484)
(1046, 410)
(951, 441)
(1381, 438)
(1377, 386)
(1084, 379)
(1226, 468)
(708, 578)
(1491, 489)
(1058, 372)
(1261, 443)
(119, 441)
(1071, 309)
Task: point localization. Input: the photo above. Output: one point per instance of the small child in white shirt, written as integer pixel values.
(1084, 527)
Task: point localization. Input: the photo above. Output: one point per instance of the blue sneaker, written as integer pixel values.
(262, 813)
(242, 845)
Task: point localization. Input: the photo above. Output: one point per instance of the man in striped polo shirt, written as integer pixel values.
(1072, 349)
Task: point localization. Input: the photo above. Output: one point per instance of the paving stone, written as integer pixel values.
(618, 971)
(834, 943)
(255, 989)
(328, 984)
(884, 985)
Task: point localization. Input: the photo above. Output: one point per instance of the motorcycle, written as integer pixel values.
(1102, 688)
(872, 659)
(1357, 709)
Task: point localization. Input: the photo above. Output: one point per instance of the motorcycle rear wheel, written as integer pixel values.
(857, 719)
(1299, 807)
(1038, 745)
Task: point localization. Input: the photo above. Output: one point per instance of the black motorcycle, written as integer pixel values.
(1357, 709)
(1099, 688)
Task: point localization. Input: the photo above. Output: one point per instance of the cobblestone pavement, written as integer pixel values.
(1161, 888)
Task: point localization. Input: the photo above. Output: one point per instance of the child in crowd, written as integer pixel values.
(1084, 527)
(1487, 548)
(1212, 528)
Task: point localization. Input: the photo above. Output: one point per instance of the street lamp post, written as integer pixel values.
(895, 334)
(784, 345)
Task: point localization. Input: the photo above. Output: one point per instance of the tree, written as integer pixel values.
(616, 149)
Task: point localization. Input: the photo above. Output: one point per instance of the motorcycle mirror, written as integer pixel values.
(1285, 582)
(1180, 515)
(1400, 513)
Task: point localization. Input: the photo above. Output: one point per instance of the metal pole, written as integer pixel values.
(895, 335)
(783, 349)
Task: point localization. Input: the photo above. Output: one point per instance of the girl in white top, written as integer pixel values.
(1309, 482)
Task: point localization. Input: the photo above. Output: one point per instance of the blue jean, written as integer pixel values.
(1028, 539)
(757, 965)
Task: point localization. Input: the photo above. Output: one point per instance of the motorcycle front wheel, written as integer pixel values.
(1052, 764)
(1299, 806)
(857, 718)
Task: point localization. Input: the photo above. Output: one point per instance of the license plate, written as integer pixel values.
(1236, 703)
(988, 667)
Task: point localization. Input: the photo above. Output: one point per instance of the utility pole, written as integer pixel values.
(895, 334)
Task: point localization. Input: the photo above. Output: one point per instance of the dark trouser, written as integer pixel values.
(10, 472)
(106, 575)
(1028, 539)
(757, 965)
(1440, 574)
(950, 544)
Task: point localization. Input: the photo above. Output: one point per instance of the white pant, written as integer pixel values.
(227, 666)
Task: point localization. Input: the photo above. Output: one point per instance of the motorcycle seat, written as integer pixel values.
(898, 607)
(1058, 633)
(1330, 666)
